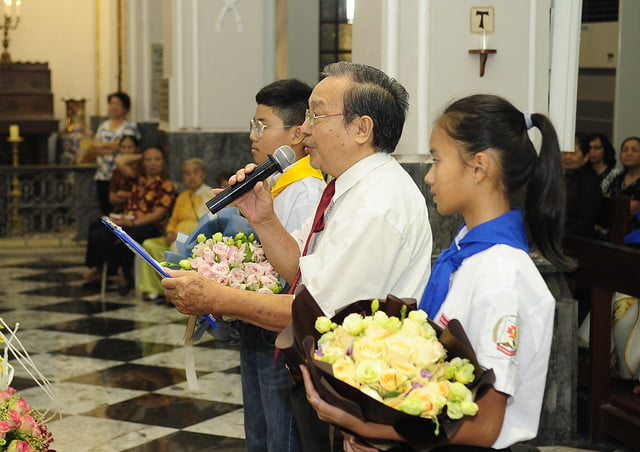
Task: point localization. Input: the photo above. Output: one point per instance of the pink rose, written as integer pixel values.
(221, 250)
(253, 282)
(253, 268)
(220, 270)
(269, 281)
(15, 420)
(28, 424)
(20, 446)
(206, 271)
(198, 262)
(23, 407)
(236, 277)
(4, 427)
(208, 255)
(258, 255)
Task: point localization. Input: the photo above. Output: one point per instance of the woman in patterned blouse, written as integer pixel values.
(150, 202)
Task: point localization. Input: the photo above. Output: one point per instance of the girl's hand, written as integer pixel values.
(339, 417)
(351, 444)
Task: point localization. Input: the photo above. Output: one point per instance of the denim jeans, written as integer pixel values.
(266, 391)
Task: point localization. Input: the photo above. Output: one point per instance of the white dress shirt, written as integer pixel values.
(376, 241)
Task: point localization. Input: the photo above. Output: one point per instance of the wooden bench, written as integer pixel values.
(616, 217)
(604, 268)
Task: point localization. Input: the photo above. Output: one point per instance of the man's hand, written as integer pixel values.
(186, 290)
(256, 205)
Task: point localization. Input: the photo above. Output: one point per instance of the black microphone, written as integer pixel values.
(281, 158)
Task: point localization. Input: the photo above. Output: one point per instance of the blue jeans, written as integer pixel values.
(266, 391)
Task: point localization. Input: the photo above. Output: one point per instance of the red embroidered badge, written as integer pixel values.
(505, 335)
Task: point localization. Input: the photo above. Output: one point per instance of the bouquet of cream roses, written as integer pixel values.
(383, 361)
(397, 361)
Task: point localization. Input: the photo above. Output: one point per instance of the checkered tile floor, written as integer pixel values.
(116, 365)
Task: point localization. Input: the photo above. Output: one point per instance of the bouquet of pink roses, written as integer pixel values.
(21, 428)
(238, 262)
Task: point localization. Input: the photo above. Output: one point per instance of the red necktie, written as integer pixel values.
(318, 224)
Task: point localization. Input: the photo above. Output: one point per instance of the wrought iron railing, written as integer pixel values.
(47, 199)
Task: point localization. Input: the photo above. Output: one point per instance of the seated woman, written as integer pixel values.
(189, 208)
(121, 181)
(583, 190)
(482, 161)
(602, 157)
(628, 182)
(149, 204)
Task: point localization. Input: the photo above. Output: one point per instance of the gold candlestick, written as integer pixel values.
(15, 185)
(10, 23)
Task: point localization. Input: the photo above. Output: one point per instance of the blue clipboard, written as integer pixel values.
(134, 246)
(140, 251)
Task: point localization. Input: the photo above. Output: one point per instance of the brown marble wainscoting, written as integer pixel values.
(221, 152)
(443, 227)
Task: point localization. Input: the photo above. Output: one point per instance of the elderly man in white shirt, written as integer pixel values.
(376, 238)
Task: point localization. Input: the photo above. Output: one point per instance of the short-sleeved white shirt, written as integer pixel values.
(376, 240)
(507, 311)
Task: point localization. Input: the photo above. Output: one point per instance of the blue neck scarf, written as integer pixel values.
(507, 229)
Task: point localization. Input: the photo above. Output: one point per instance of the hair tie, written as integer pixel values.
(527, 120)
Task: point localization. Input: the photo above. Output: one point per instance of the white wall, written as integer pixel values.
(627, 103)
(63, 34)
(425, 44)
(216, 62)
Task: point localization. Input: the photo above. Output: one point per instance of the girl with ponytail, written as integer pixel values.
(511, 196)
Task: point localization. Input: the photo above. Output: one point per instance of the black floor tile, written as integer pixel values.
(46, 263)
(20, 384)
(62, 291)
(163, 410)
(117, 349)
(101, 326)
(82, 306)
(59, 277)
(133, 376)
(191, 442)
(233, 370)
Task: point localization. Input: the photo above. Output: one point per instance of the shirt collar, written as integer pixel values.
(359, 171)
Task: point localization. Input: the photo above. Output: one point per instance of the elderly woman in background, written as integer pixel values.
(627, 183)
(149, 204)
(188, 210)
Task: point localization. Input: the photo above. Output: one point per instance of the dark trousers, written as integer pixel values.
(104, 246)
(314, 433)
(102, 189)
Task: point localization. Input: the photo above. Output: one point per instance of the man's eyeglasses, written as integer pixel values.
(255, 125)
(311, 117)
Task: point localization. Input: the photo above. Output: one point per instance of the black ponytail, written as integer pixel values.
(545, 198)
(482, 122)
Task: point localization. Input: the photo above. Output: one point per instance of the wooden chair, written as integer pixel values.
(605, 268)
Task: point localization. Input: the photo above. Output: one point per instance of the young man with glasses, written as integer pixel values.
(268, 417)
(376, 238)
